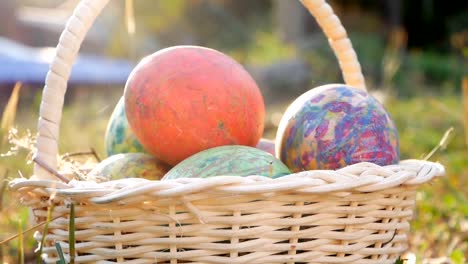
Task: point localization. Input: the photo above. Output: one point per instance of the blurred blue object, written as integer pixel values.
(20, 63)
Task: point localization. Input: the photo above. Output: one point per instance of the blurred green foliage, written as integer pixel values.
(250, 36)
(423, 72)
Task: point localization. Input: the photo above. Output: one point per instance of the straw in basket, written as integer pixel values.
(358, 214)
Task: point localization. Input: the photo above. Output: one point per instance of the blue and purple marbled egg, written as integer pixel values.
(333, 126)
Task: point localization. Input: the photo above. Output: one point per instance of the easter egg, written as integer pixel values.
(119, 137)
(333, 126)
(128, 165)
(266, 145)
(229, 160)
(196, 98)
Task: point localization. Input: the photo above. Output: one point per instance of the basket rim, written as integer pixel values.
(361, 177)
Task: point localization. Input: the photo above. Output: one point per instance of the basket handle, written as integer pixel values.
(78, 25)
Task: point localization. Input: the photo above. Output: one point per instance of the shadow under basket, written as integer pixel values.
(358, 214)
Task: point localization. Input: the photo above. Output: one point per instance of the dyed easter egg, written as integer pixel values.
(266, 145)
(333, 126)
(128, 165)
(195, 98)
(119, 137)
(229, 160)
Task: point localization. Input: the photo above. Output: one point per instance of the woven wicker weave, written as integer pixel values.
(358, 214)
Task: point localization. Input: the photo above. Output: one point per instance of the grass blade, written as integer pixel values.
(465, 107)
(9, 114)
(27, 230)
(130, 17)
(20, 242)
(131, 28)
(442, 143)
(3, 185)
(60, 254)
(44, 234)
(72, 234)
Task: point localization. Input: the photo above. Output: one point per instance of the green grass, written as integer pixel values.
(50, 209)
(60, 254)
(439, 225)
(71, 233)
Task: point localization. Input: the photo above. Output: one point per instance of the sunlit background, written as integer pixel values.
(413, 54)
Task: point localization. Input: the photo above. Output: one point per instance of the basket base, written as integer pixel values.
(276, 228)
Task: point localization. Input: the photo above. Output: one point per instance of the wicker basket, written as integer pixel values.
(358, 214)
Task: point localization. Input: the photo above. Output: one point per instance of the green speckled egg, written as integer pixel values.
(229, 160)
(119, 137)
(128, 165)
